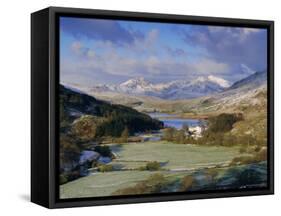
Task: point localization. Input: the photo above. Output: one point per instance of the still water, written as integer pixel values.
(172, 120)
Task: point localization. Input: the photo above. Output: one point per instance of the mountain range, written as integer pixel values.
(176, 90)
(181, 89)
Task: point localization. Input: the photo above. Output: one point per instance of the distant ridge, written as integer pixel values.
(253, 80)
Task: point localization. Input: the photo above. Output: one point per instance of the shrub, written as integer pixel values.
(153, 166)
(105, 168)
(142, 168)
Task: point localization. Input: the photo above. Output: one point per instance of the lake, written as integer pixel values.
(172, 120)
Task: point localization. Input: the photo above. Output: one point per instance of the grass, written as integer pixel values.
(177, 157)
(102, 184)
(172, 156)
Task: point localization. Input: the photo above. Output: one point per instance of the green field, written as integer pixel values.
(181, 159)
(172, 156)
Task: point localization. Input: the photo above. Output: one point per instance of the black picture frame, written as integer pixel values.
(44, 106)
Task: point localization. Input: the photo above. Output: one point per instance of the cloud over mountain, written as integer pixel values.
(96, 51)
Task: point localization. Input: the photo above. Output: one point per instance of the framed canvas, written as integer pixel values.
(139, 107)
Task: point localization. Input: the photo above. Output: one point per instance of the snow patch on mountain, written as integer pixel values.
(222, 82)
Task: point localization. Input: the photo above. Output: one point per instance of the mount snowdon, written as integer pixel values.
(180, 89)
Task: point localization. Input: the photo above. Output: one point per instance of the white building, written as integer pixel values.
(196, 131)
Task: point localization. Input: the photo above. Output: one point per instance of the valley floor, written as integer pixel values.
(177, 161)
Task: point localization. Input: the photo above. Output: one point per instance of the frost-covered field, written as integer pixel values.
(172, 156)
(177, 160)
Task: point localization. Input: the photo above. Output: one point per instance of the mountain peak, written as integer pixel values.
(136, 85)
(222, 82)
(213, 79)
(135, 81)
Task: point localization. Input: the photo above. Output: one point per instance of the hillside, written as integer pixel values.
(256, 79)
(86, 121)
(111, 119)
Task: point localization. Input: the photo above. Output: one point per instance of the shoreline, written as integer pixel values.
(181, 115)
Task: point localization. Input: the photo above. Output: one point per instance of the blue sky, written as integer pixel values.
(96, 51)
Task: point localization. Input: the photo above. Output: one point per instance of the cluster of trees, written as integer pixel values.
(177, 136)
(223, 122)
(217, 133)
(182, 136)
(228, 139)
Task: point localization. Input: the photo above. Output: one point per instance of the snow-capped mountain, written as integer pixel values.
(201, 86)
(136, 86)
(181, 89)
(222, 82)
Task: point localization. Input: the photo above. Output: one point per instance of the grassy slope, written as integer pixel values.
(177, 155)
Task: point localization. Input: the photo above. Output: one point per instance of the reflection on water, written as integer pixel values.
(175, 122)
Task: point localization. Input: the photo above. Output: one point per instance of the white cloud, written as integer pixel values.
(141, 58)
